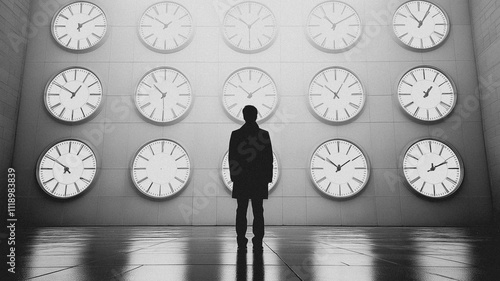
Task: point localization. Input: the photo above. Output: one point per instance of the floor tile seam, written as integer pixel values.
(359, 253)
(49, 273)
(288, 266)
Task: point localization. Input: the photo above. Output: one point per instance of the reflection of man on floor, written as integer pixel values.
(251, 168)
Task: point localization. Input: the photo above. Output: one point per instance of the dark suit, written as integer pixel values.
(251, 169)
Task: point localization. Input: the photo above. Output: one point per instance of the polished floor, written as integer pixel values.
(290, 253)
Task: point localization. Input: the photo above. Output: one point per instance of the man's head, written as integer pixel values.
(250, 113)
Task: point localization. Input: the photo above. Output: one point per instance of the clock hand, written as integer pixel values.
(73, 94)
(426, 94)
(80, 25)
(413, 16)
(426, 14)
(240, 19)
(252, 93)
(66, 168)
(333, 24)
(249, 95)
(345, 163)
(335, 94)
(330, 161)
(432, 168)
(250, 25)
(440, 165)
(162, 93)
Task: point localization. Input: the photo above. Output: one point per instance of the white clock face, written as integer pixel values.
(226, 176)
(333, 26)
(163, 95)
(420, 25)
(250, 86)
(79, 26)
(73, 95)
(432, 168)
(249, 27)
(339, 168)
(336, 95)
(161, 168)
(166, 27)
(67, 168)
(426, 94)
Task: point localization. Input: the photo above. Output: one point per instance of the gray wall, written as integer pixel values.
(13, 33)
(382, 129)
(485, 16)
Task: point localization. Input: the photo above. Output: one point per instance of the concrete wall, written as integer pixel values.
(383, 130)
(485, 15)
(13, 34)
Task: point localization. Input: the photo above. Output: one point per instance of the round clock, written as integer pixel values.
(249, 27)
(249, 86)
(66, 168)
(432, 168)
(420, 25)
(226, 176)
(336, 95)
(73, 95)
(333, 26)
(163, 95)
(426, 94)
(161, 168)
(339, 168)
(166, 27)
(79, 26)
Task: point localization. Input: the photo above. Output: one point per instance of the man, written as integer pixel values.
(251, 170)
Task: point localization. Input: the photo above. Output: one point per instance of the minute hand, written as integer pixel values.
(343, 19)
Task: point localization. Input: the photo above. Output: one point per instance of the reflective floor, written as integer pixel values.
(290, 253)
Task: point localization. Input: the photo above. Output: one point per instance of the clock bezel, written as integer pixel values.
(170, 51)
(78, 122)
(415, 119)
(334, 51)
(52, 144)
(221, 172)
(166, 123)
(402, 44)
(408, 185)
(90, 49)
(158, 198)
(331, 122)
(243, 51)
(368, 170)
(271, 113)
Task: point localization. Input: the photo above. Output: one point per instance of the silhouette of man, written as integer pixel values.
(251, 170)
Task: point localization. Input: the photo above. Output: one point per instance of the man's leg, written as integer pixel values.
(241, 223)
(258, 222)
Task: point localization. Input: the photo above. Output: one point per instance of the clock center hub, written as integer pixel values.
(429, 172)
(71, 171)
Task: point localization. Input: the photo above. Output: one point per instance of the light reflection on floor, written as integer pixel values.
(290, 253)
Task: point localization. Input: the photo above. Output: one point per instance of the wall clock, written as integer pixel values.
(166, 27)
(226, 176)
(339, 168)
(73, 95)
(420, 25)
(333, 26)
(163, 95)
(249, 27)
(249, 86)
(336, 95)
(432, 168)
(161, 168)
(426, 94)
(79, 26)
(66, 168)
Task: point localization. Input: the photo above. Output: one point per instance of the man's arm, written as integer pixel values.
(234, 167)
(268, 157)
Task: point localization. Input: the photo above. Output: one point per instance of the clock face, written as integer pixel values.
(432, 168)
(336, 95)
(426, 94)
(73, 95)
(333, 26)
(226, 176)
(79, 26)
(249, 27)
(339, 168)
(163, 95)
(66, 168)
(250, 86)
(161, 168)
(420, 25)
(166, 27)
